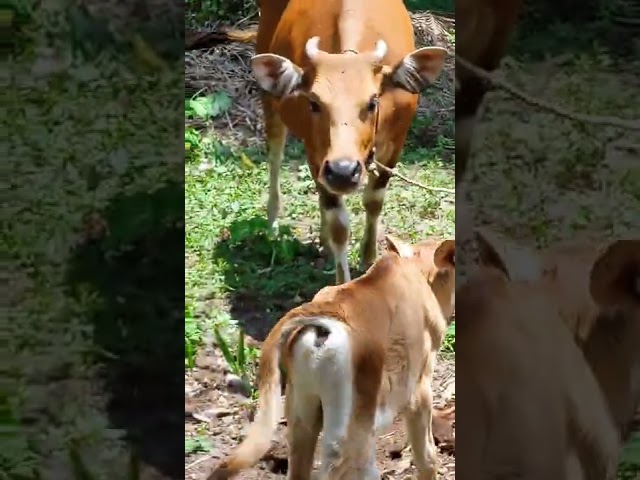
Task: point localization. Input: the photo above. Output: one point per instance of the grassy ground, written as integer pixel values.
(240, 276)
(83, 154)
(240, 272)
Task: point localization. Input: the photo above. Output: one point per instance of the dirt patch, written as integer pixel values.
(216, 413)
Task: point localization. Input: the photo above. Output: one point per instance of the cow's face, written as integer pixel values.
(342, 94)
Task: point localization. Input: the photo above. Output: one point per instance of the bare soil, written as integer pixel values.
(216, 412)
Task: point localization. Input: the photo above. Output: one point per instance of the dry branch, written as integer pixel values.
(393, 173)
(529, 100)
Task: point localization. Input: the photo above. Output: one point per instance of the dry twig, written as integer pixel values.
(413, 182)
(513, 91)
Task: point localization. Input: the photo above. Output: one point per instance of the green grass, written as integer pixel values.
(82, 143)
(238, 271)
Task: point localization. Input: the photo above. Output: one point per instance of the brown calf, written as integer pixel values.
(354, 357)
(343, 76)
(485, 28)
(595, 287)
(528, 405)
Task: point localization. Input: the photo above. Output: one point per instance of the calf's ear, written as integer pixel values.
(518, 263)
(418, 69)
(445, 255)
(396, 245)
(276, 75)
(615, 275)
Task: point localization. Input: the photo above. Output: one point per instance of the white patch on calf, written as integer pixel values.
(326, 371)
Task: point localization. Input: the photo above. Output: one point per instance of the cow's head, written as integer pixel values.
(342, 92)
(436, 261)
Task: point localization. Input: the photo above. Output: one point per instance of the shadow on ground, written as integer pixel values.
(137, 271)
(268, 273)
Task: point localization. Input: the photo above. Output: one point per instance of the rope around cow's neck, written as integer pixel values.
(373, 165)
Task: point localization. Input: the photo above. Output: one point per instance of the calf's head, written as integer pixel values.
(341, 92)
(436, 260)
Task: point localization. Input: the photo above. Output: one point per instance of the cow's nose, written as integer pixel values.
(343, 173)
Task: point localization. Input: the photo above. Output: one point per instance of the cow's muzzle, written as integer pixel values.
(342, 174)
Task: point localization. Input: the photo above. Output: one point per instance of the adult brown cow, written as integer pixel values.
(343, 76)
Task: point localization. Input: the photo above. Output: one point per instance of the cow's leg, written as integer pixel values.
(276, 137)
(373, 200)
(335, 219)
(418, 418)
(304, 418)
(469, 95)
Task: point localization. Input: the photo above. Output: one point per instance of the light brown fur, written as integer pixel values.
(329, 101)
(395, 318)
(591, 288)
(527, 405)
(596, 286)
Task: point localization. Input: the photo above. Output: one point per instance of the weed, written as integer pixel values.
(449, 345)
(197, 444)
(239, 359)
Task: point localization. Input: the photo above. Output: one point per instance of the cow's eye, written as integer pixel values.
(373, 104)
(314, 106)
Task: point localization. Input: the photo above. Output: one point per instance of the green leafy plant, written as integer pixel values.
(242, 358)
(209, 106)
(630, 459)
(449, 345)
(197, 444)
(192, 337)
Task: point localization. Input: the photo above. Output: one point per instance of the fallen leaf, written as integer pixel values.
(246, 162)
(146, 54)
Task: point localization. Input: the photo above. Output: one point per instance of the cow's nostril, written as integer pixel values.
(343, 171)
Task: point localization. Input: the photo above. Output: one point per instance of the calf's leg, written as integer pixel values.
(418, 418)
(304, 418)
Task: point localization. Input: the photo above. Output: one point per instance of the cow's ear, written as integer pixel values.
(516, 262)
(276, 75)
(444, 256)
(615, 275)
(418, 69)
(396, 245)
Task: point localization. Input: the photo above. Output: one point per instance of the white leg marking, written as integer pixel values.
(338, 218)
